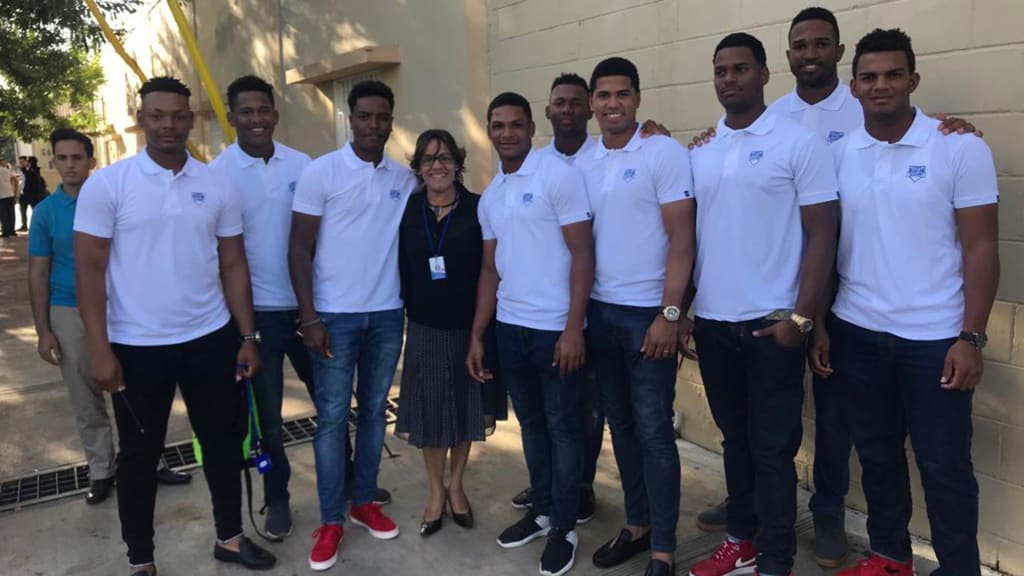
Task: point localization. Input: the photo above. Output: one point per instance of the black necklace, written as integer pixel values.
(437, 208)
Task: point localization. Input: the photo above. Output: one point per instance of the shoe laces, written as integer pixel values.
(728, 548)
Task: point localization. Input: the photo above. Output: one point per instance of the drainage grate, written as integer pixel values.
(40, 487)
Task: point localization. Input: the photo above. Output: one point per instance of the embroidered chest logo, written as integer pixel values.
(755, 157)
(394, 193)
(834, 135)
(198, 198)
(291, 187)
(915, 173)
(527, 199)
(629, 175)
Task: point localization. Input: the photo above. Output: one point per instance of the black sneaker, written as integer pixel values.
(528, 529)
(279, 521)
(587, 504)
(522, 500)
(714, 519)
(559, 554)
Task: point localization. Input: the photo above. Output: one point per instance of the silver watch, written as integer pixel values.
(671, 313)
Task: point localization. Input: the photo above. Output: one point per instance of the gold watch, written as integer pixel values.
(803, 323)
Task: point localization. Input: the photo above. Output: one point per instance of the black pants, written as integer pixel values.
(755, 391)
(204, 368)
(7, 217)
(23, 204)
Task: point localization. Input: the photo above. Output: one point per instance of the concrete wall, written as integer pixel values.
(970, 54)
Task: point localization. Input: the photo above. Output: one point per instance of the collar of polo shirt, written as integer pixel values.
(244, 159)
(528, 167)
(917, 135)
(150, 167)
(834, 101)
(634, 144)
(355, 162)
(763, 125)
(66, 199)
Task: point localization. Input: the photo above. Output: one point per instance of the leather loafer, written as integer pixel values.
(99, 490)
(150, 571)
(169, 477)
(621, 548)
(249, 555)
(658, 568)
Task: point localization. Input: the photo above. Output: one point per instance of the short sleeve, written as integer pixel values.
(485, 222)
(310, 192)
(673, 177)
(814, 172)
(96, 207)
(974, 174)
(40, 234)
(229, 221)
(569, 196)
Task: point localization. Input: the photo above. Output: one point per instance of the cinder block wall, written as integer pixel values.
(971, 59)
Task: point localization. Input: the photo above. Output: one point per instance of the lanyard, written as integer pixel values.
(436, 251)
(254, 426)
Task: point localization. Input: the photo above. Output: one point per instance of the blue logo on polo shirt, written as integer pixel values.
(198, 198)
(629, 175)
(527, 199)
(291, 187)
(834, 135)
(915, 173)
(755, 157)
(394, 193)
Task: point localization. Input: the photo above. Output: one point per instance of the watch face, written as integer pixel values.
(671, 313)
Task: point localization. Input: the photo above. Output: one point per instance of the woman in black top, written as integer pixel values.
(440, 409)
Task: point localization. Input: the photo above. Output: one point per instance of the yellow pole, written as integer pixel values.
(115, 42)
(204, 72)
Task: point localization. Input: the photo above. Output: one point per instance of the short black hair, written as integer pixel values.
(816, 13)
(249, 83)
(368, 88)
(892, 40)
(61, 134)
(164, 84)
(25, 158)
(570, 79)
(615, 66)
(510, 99)
(743, 40)
(444, 137)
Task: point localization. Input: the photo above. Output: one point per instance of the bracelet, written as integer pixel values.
(313, 322)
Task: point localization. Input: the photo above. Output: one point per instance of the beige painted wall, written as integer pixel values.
(971, 55)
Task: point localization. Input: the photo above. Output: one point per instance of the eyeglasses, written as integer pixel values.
(428, 160)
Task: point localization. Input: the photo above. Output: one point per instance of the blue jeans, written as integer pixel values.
(592, 419)
(371, 342)
(755, 391)
(548, 409)
(832, 443)
(638, 396)
(277, 329)
(892, 387)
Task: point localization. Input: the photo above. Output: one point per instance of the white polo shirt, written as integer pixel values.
(360, 205)
(570, 159)
(750, 185)
(163, 275)
(831, 119)
(525, 212)
(266, 191)
(900, 262)
(627, 188)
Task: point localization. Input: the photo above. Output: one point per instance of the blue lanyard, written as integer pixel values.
(444, 231)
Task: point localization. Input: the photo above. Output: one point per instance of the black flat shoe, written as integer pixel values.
(249, 555)
(621, 548)
(428, 527)
(464, 520)
(99, 490)
(169, 477)
(150, 571)
(658, 568)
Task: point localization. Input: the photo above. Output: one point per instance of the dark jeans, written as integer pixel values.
(204, 369)
(638, 396)
(548, 408)
(277, 329)
(755, 391)
(893, 388)
(832, 443)
(592, 419)
(7, 216)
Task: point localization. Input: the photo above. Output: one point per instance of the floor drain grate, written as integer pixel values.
(44, 486)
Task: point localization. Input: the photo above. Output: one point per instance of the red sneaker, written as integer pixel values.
(325, 551)
(370, 517)
(875, 565)
(730, 559)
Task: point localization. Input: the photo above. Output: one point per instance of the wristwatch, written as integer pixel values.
(254, 337)
(977, 339)
(803, 323)
(671, 313)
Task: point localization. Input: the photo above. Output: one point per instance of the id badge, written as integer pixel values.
(263, 464)
(437, 270)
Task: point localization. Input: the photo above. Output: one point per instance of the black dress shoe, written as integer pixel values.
(464, 520)
(621, 548)
(145, 571)
(249, 555)
(99, 490)
(429, 527)
(171, 478)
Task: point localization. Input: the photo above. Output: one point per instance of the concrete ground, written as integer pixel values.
(67, 537)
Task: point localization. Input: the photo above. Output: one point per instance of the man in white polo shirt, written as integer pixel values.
(263, 174)
(766, 230)
(161, 271)
(641, 192)
(348, 205)
(918, 267)
(538, 270)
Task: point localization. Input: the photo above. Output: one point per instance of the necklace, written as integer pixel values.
(437, 209)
